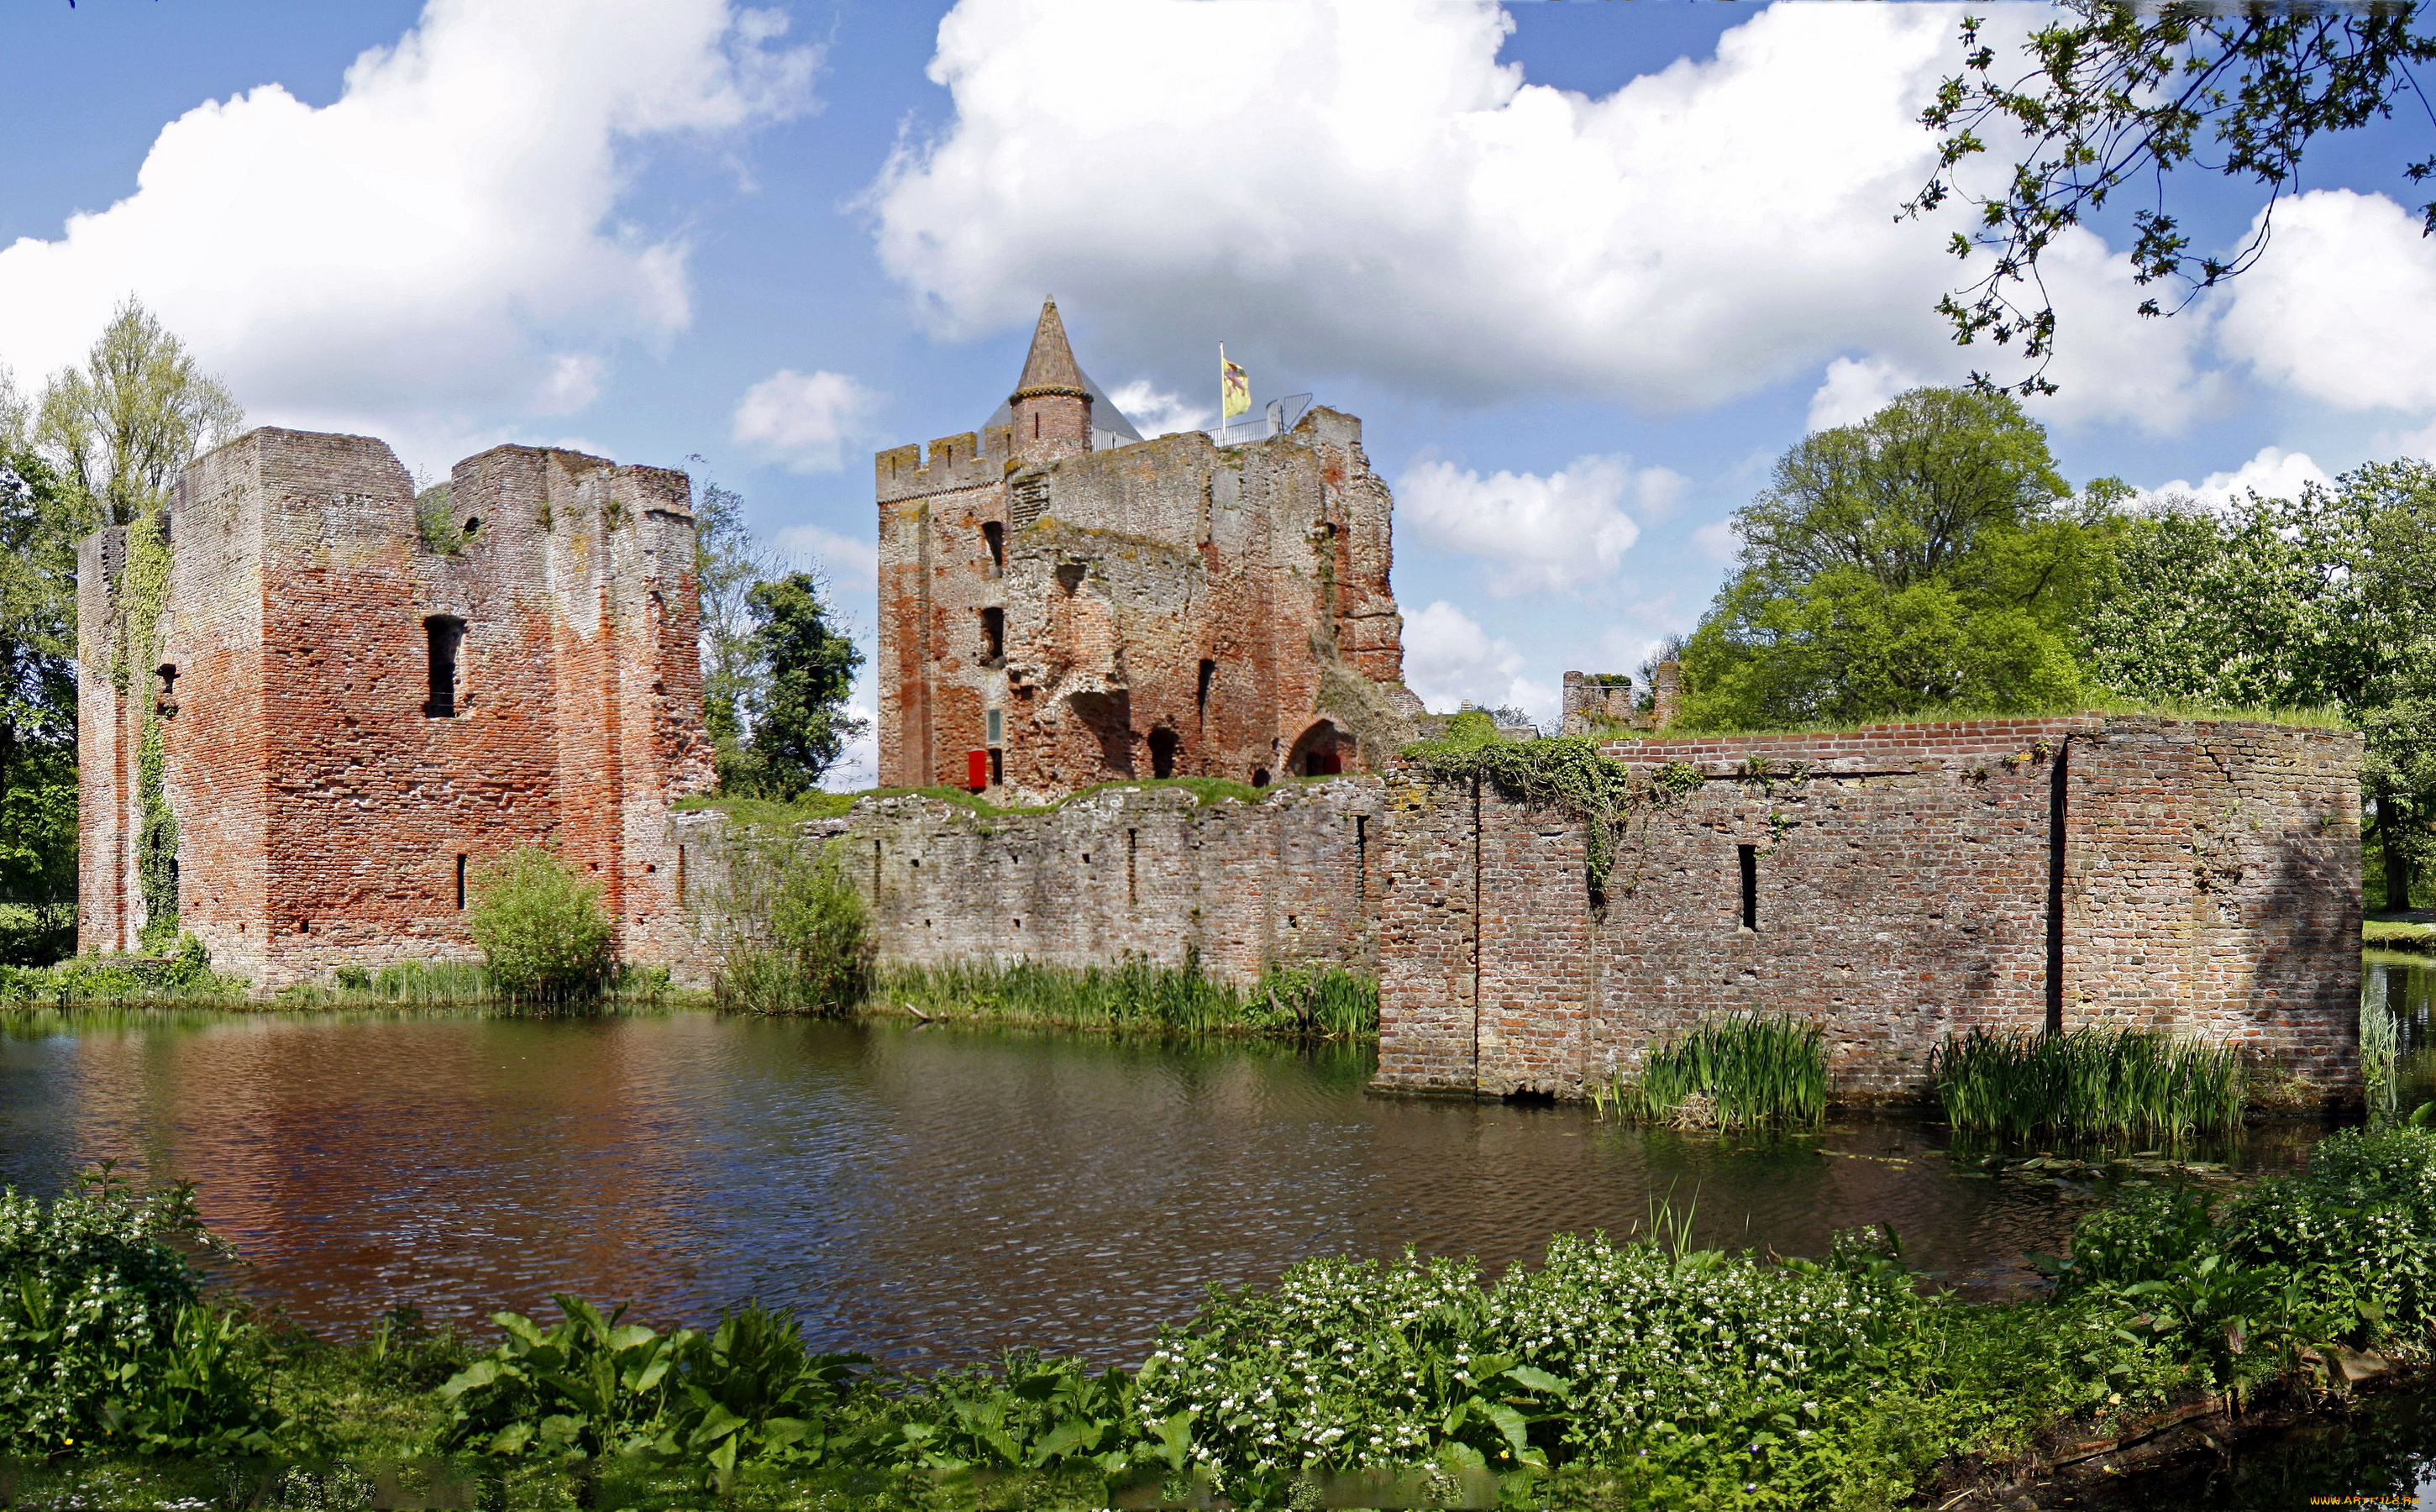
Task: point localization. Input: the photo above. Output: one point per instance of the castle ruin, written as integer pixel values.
(311, 716)
(1062, 603)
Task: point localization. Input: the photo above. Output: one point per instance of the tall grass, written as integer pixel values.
(1743, 1071)
(2380, 1042)
(453, 984)
(1327, 1002)
(2101, 1083)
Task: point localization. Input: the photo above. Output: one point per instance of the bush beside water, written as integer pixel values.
(1637, 1373)
(540, 928)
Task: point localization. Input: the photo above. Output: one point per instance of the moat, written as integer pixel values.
(927, 1194)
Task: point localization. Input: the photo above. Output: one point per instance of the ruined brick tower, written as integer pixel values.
(1062, 603)
(310, 717)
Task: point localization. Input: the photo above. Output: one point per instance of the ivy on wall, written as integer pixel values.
(144, 596)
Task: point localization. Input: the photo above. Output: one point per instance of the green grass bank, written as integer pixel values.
(1634, 1373)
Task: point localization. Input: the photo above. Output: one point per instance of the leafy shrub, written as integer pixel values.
(796, 935)
(540, 928)
(184, 973)
(103, 1344)
(592, 1388)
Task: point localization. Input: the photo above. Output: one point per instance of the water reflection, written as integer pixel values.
(923, 1193)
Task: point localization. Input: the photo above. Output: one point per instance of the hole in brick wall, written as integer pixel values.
(473, 523)
(1531, 1097)
(1163, 745)
(1749, 858)
(1018, 924)
(1070, 575)
(461, 881)
(993, 635)
(648, 867)
(1087, 858)
(166, 701)
(994, 536)
(997, 767)
(1259, 776)
(1209, 675)
(443, 635)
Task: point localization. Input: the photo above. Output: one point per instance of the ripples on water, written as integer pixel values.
(927, 1194)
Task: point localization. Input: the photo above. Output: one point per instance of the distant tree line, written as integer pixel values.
(1931, 559)
(104, 443)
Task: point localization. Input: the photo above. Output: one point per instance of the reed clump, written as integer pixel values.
(1745, 1071)
(795, 937)
(1324, 1002)
(2130, 1084)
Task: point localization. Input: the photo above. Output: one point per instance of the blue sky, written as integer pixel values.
(1583, 269)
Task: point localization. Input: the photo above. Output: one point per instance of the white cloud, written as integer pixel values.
(1391, 201)
(2274, 473)
(1561, 532)
(847, 561)
(1856, 388)
(1449, 659)
(2343, 307)
(1393, 197)
(442, 244)
(805, 420)
(1156, 412)
(1718, 541)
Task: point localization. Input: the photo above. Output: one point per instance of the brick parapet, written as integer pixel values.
(1907, 888)
(1143, 872)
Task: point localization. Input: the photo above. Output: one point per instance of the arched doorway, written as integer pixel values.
(1323, 752)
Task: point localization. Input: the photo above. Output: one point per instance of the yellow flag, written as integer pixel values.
(1234, 388)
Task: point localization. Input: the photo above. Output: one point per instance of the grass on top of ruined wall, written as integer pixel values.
(2326, 717)
(755, 812)
(1323, 1002)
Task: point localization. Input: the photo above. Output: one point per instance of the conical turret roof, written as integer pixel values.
(1050, 366)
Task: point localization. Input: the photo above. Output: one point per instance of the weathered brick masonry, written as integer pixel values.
(1906, 882)
(328, 797)
(1077, 611)
(1143, 872)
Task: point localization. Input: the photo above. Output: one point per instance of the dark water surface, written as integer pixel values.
(922, 1193)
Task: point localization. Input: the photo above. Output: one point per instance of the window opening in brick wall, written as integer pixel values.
(473, 523)
(995, 535)
(1361, 859)
(1209, 675)
(1131, 845)
(167, 702)
(1748, 855)
(444, 634)
(1070, 575)
(997, 767)
(1259, 776)
(1162, 752)
(461, 882)
(993, 635)
(996, 721)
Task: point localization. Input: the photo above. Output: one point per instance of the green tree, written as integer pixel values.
(2113, 96)
(1929, 556)
(807, 666)
(2307, 602)
(727, 563)
(119, 429)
